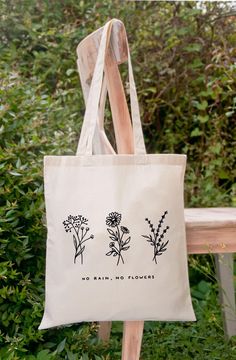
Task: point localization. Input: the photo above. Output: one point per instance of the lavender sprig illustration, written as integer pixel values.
(79, 226)
(156, 238)
(117, 235)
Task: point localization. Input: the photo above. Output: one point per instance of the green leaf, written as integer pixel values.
(223, 175)
(61, 346)
(196, 132)
(201, 106)
(71, 356)
(203, 118)
(204, 286)
(229, 113)
(4, 316)
(84, 357)
(14, 173)
(70, 71)
(197, 63)
(207, 93)
(18, 163)
(193, 48)
(216, 148)
(44, 355)
(152, 89)
(183, 31)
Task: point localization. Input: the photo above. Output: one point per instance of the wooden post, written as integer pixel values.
(225, 272)
(132, 340)
(104, 330)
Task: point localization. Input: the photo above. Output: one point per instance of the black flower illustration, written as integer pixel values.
(79, 226)
(156, 238)
(124, 230)
(118, 243)
(113, 219)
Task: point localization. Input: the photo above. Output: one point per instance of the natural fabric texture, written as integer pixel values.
(116, 247)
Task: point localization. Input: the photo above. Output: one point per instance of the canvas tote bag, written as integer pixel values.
(116, 247)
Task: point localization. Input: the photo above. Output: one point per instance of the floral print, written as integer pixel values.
(156, 238)
(113, 219)
(79, 226)
(118, 243)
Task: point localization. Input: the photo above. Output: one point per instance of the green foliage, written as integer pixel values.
(185, 70)
(184, 64)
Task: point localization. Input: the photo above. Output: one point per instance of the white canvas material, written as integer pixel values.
(116, 247)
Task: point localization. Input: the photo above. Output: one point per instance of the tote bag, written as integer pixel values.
(116, 247)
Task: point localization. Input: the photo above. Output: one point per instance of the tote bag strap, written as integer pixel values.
(92, 108)
(119, 108)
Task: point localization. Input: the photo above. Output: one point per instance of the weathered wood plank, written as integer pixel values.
(132, 340)
(211, 230)
(210, 217)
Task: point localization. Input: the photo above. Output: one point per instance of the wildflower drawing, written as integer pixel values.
(79, 226)
(156, 238)
(117, 235)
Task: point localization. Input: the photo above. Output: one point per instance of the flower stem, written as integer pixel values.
(79, 245)
(120, 245)
(120, 257)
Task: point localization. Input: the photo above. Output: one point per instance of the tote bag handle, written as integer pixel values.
(92, 108)
(87, 52)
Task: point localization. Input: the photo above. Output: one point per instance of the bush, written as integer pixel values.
(184, 64)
